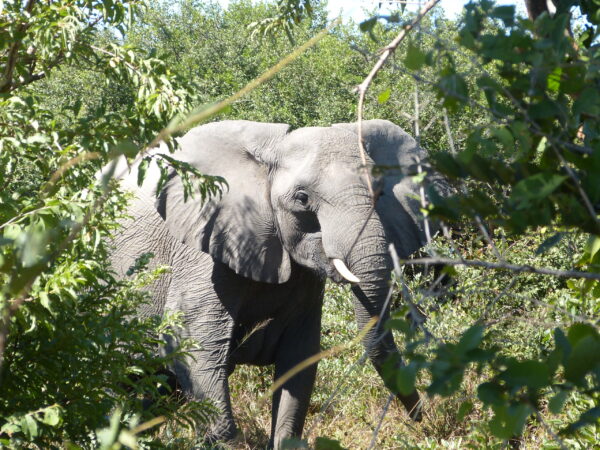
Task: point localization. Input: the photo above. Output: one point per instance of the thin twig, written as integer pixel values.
(114, 55)
(449, 132)
(486, 236)
(582, 193)
(380, 422)
(504, 291)
(423, 200)
(83, 157)
(417, 316)
(311, 360)
(555, 436)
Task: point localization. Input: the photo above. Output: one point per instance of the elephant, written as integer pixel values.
(248, 267)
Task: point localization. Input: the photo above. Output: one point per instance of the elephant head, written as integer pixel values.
(302, 197)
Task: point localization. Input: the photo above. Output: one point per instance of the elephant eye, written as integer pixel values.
(301, 197)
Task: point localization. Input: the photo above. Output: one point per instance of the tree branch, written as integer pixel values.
(503, 266)
(364, 86)
(11, 58)
(39, 75)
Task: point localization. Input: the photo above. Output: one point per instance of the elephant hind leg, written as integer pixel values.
(202, 382)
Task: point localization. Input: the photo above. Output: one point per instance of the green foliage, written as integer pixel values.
(452, 354)
(522, 98)
(530, 163)
(541, 100)
(71, 347)
(288, 14)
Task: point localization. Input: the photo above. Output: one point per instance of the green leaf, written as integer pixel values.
(592, 246)
(505, 137)
(128, 439)
(142, 168)
(384, 96)
(561, 342)
(579, 331)
(34, 248)
(506, 13)
(292, 443)
(127, 148)
(419, 178)
(535, 188)
(406, 377)
(509, 421)
(554, 79)
(584, 357)
(367, 27)
(464, 409)
(557, 402)
(549, 243)
(533, 374)
(415, 57)
(490, 393)
(109, 435)
(470, 339)
(589, 417)
(588, 102)
(401, 325)
(454, 90)
(29, 426)
(52, 416)
(322, 443)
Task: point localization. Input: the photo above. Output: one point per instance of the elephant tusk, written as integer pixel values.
(344, 271)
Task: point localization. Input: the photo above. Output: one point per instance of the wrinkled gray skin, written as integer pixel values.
(249, 269)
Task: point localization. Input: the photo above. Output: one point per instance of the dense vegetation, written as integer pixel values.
(509, 109)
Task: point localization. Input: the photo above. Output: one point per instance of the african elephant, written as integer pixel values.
(249, 268)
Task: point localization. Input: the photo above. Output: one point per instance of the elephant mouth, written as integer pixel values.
(313, 255)
(339, 272)
(343, 270)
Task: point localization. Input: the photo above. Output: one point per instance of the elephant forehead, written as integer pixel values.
(323, 146)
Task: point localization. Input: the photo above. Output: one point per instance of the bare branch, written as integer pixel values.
(582, 194)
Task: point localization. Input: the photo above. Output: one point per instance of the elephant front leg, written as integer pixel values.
(291, 400)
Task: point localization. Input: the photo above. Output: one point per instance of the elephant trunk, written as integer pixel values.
(370, 261)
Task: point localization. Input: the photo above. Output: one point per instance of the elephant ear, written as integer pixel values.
(238, 228)
(398, 204)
